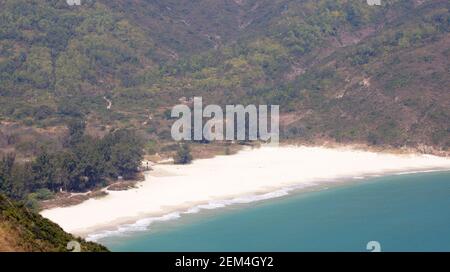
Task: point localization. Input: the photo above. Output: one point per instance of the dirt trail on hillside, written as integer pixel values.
(109, 103)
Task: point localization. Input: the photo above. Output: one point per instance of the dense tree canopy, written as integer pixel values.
(86, 163)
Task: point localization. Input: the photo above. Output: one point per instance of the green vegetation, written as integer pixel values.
(345, 67)
(24, 230)
(183, 155)
(340, 70)
(85, 164)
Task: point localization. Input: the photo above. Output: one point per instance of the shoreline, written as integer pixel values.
(172, 190)
(143, 224)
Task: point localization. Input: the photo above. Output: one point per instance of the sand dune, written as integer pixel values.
(246, 176)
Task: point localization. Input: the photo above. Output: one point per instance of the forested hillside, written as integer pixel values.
(340, 70)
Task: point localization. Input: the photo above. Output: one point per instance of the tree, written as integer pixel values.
(353, 16)
(125, 159)
(43, 170)
(84, 164)
(183, 155)
(123, 151)
(15, 179)
(6, 166)
(68, 170)
(76, 128)
(22, 178)
(90, 164)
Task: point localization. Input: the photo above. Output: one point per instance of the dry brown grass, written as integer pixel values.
(8, 239)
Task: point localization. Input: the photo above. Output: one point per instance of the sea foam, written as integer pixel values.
(144, 224)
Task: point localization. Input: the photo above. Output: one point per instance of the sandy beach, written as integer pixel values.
(250, 175)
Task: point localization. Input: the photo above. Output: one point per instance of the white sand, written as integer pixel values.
(249, 173)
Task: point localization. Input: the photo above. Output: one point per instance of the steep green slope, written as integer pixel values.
(53, 56)
(23, 230)
(346, 72)
(391, 88)
(340, 70)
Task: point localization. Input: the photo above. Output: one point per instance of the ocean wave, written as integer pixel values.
(140, 225)
(416, 172)
(145, 223)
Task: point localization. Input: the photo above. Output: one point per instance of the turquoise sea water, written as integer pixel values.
(402, 212)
